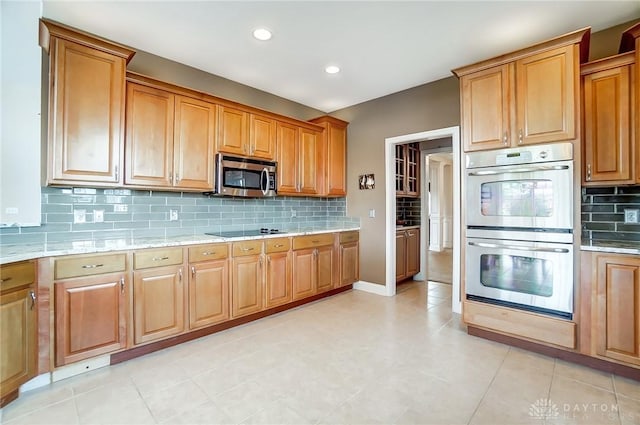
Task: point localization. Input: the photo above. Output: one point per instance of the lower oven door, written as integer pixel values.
(535, 276)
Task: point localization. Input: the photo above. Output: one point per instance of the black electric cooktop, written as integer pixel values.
(245, 233)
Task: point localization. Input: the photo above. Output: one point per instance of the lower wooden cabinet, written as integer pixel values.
(407, 253)
(313, 265)
(616, 321)
(324, 277)
(18, 328)
(246, 278)
(304, 272)
(208, 293)
(278, 282)
(349, 258)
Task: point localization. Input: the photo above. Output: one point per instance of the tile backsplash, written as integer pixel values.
(408, 209)
(142, 213)
(603, 213)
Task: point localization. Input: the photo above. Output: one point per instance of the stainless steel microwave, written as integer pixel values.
(247, 177)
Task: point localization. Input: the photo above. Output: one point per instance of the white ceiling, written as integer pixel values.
(381, 47)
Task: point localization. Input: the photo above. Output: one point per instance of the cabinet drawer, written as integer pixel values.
(247, 248)
(89, 265)
(347, 237)
(157, 258)
(277, 245)
(208, 252)
(16, 275)
(312, 241)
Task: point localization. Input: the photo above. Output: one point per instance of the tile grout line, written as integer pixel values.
(489, 386)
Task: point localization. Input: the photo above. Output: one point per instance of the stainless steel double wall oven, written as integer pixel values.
(519, 235)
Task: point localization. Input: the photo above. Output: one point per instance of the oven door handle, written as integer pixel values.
(529, 169)
(518, 248)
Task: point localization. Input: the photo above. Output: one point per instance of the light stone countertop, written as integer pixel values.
(22, 252)
(615, 247)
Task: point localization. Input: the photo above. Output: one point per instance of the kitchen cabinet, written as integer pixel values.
(158, 294)
(313, 265)
(348, 258)
(246, 134)
(278, 282)
(86, 107)
(525, 97)
(617, 307)
(91, 294)
(334, 144)
(407, 253)
(608, 111)
(630, 42)
(170, 139)
(208, 285)
(18, 328)
(298, 157)
(408, 170)
(247, 276)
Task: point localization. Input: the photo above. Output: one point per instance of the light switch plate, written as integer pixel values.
(631, 216)
(173, 215)
(79, 216)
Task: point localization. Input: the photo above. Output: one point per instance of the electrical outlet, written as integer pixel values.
(173, 215)
(372, 213)
(98, 216)
(631, 216)
(294, 213)
(79, 216)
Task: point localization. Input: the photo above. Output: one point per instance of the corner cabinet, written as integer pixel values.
(525, 97)
(334, 145)
(348, 258)
(170, 139)
(608, 123)
(617, 307)
(18, 328)
(86, 107)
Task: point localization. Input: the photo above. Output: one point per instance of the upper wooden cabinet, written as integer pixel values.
(608, 124)
(408, 170)
(246, 134)
(631, 42)
(86, 107)
(299, 160)
(525, 97)
(170, 139)
(334, 145)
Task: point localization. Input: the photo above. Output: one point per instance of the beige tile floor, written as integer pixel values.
(355, 358)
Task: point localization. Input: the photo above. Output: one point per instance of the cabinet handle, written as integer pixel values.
(92, 266)
(588, 172)
(505, 138)
(278, 245)
(180, 274)
(260, 262)
(117, 173)
(6, 279)
(177, 178)
(315, 241)
(170, 176)
(315, 253)
(520, 137)
(268, 260)
(160, 258)
(193, 272)
(208, 253)
(246, 249)
(122, 285)
(33, 299)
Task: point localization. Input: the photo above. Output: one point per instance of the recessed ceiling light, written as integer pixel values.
(262, 34)
(332, 69)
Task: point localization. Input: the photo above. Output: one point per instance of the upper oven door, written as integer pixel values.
(527, 196)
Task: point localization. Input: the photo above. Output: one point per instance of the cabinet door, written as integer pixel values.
(90, 317)
(287, 157)
(233, 126)
(546, 96)
(149, 136)
(208, 293)
(278, 279)
(158, 303)
(309, 163)
(486, 114)
(262, 136)
(86, 122)
(18, 340)
(413, 252)
(304, 273)
(607, 141)
(336, 161)
(349, 263)
(194, 141)
(618, 308)
(324, 259)
(401, 170)
(412, 170)
(246, 282)
(401, 255)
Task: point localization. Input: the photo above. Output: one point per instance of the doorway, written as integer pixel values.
(390, 189)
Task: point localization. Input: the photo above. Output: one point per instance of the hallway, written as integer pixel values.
(440, 266)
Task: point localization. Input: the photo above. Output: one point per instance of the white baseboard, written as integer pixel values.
(80, 367)
(371, 287)
(37, 382)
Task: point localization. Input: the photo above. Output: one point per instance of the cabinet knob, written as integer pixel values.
(193, 272)
(122, 285)
(32, 294)
(180, 274)
(588, 172)
(505, 138)
(520, 137)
